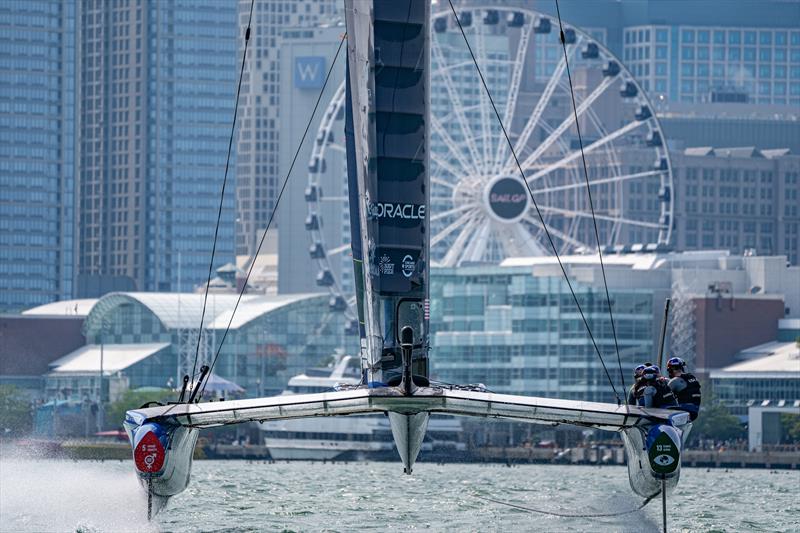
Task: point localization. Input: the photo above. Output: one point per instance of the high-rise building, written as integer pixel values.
(158, 81)
(704, 52)
(691, 63)
(37, 152)
(307, 53)
(740, 199)
(259, 172)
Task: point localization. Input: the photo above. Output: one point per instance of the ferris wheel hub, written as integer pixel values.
(506, 199)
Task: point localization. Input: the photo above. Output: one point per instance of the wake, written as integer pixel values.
(60, 495)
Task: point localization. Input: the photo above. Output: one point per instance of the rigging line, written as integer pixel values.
(272, 215)
(565, 515)
(222, 193)
(536, 206)
(589, 192)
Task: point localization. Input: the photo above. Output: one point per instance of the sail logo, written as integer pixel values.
(506, 199)
(402, 211)
(309, 72)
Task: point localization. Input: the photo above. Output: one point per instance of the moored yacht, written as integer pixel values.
(349, 437)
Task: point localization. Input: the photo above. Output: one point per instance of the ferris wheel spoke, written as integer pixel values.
(458, 223)
(455, 99)
(478, 244)
(513, 93)
(443, 183)
(436, 158)
(566, 238)
(459, 209)
(336, 147)
(588, 149)
(620, 220)
(452, 255)
(603, 181)
(451, 145)
(524, 242)
(338, 250)
(533, 121)
(566, 123)
(480, 45)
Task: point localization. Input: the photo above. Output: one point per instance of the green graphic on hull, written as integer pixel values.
(664, 455)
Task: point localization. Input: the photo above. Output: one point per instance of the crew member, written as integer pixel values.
(637, 378)
(685, 386)
(655, 392)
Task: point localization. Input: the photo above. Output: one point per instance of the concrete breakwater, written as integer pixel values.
(596, 455)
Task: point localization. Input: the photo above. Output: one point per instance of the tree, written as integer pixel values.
(16, 412)
(133, 399)
(791, 428)
(717, 423)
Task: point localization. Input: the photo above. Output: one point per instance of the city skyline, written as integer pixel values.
(128, 200)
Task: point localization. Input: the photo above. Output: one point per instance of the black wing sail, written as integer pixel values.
(388, 100)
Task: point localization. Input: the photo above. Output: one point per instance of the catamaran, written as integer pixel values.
(387, 137)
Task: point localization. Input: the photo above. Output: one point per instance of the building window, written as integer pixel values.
(662, 36)
(687, 36)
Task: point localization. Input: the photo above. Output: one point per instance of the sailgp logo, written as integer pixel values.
(389, 210)
(309, 72)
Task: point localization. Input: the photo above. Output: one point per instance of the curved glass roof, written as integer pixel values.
(183, 311)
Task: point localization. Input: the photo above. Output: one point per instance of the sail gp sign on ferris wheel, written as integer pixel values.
(309, 72)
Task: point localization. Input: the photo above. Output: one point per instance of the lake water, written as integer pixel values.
(43, 496)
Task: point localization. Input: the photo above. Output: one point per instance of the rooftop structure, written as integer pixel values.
(765, 373)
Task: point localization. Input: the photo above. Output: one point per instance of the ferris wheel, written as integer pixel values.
(480, 209)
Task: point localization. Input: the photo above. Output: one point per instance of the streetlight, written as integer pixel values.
(100, 410)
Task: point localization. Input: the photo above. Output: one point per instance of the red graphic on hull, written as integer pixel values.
(149, 454)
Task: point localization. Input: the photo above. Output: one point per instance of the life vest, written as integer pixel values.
(663, 396)
(690, 394)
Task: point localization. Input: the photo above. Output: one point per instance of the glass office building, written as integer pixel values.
(712, 63)
(37, 163)
(158, 82)
(520, 333)
(515, 327)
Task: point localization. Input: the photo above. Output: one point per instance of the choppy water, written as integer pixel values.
(44, 496)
